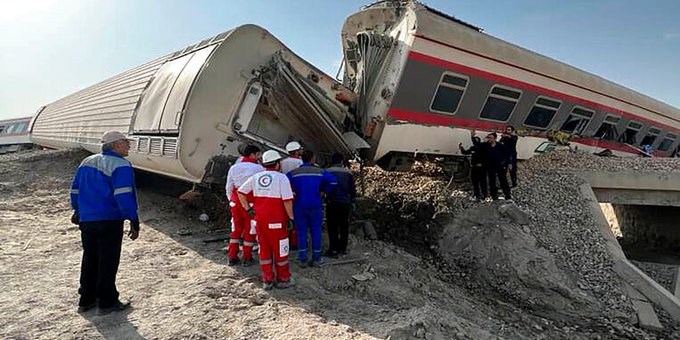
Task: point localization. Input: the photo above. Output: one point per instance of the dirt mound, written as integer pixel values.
(503, 256)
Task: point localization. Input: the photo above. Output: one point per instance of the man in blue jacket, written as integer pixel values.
(309, 184)
(103, 197)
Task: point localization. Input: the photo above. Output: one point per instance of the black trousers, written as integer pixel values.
(500, 174)
(337, 219)
(513, 170)
(478, 176)
(102, 241)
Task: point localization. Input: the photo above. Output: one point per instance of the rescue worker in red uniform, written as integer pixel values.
(273, 213)
(241, 222)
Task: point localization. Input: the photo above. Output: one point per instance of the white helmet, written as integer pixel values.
(293, 146)
(270, 156)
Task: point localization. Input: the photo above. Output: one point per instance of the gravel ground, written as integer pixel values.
(549, 279)
(582, 160)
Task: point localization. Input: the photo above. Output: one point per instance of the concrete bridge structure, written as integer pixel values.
(647, 208)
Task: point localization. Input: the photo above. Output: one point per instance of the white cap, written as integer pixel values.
(270, 156)
(112, 136)
(293, 146)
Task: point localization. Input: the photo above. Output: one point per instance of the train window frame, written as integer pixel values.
(543, 107)
(612, 120)
(453, 86)
(651, 133)
(635, 129)
(498, 96)
(11, 129)
(669, 136)
(585, 127)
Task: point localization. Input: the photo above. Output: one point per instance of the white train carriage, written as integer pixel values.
(423, 79)
(188, 112)
(14, 135)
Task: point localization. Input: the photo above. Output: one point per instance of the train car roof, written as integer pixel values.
(15, 120)
(436, 25)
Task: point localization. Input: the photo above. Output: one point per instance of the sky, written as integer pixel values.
(51, 48)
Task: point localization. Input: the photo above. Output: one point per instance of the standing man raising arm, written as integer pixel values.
(273, 213)
(478, 171)
(103, 197)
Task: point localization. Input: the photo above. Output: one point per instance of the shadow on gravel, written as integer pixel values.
(114, 325)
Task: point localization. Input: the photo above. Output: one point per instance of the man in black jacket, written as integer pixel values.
(340, 203)
(478, 170)
(496, 166)
(509, 140)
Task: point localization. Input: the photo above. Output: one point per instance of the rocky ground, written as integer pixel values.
(444, 267)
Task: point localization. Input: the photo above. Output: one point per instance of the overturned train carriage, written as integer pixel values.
(188, 112)
(423, 79)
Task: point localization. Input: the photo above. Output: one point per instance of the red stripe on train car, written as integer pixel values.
(548, 76)
(441, 120)
(522, 85)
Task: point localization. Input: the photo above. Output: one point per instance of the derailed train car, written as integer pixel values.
(423, 79)
(188, 112)
(14, 135)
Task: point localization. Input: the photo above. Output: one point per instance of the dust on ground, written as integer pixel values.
(444, 268)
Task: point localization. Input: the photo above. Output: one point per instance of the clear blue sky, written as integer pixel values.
(51, 48)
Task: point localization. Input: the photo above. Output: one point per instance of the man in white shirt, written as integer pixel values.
(272, 209)
(293, 162)
(240, 220)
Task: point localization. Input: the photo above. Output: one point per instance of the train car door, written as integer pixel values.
(161, 107)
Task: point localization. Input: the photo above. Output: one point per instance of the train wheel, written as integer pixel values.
(458, 169)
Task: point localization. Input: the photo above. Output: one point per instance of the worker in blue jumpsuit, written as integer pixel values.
(310, 183)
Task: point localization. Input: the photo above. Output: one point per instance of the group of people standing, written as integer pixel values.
(490, 160)
(279, 201)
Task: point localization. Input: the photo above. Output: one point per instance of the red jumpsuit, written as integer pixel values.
(270, 189)
(241, 223)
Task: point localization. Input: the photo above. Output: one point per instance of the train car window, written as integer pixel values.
(607, 130)
(577, 121)
(2, 128)
(667, 142)
(650, 138)
(629, 136)
(449, 93)
(542, 113)
(500, 103)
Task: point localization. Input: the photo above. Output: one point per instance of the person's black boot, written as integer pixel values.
(87, 307)
(116, 307)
